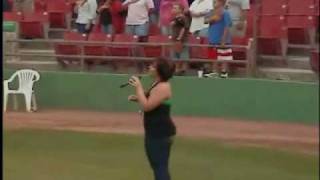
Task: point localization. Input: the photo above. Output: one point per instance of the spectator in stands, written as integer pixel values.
(238, 11)
(154, 15)
(111, 20)
(137, 22)
(198, 10)
(180, 29)
(23, 5)
(166, 14)
(86, 10)
(219, 34)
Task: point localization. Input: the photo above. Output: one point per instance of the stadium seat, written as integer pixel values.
(299, 7)
(40, 5)
(197, 52)
(34, 25)
(69, 49)
(59, 14)
(274, 7)
(154, 30)
(12, 16)
(156, 51)
(272, 27)
(124, 50)
(97, 50)
(301, 29)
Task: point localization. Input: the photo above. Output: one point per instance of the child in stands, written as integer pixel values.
(180, 29)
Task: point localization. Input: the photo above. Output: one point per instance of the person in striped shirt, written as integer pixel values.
(219, 34)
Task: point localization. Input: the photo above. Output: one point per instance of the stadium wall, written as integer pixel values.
(248, 99)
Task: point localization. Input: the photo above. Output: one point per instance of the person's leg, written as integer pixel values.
(130, 29)
(107, 29)
(204, 33)
(165, 30)
(81, 28)
(158, 152)
(142, 30)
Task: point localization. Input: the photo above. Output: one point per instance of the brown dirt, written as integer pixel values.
(297, 137)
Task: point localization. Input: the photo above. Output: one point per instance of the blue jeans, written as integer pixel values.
(202, 33)
(82, 28)
(158, 153)
(139, 30)
(107, 29)
(166, 30)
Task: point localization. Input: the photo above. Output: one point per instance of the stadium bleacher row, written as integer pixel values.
(279, 24)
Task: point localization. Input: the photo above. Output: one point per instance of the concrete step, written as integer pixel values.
(287, 74)
(295, 62)
(39, 52)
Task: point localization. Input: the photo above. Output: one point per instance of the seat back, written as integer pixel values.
(32, 24)
(12, 16)
(98, 50)
(274, 7)
(123, 50)
(156, 51)
(26, 79)
(272, 27)
(305, 7)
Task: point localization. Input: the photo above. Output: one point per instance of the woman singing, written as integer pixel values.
(158, 125)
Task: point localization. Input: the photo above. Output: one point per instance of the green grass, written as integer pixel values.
(63, 155)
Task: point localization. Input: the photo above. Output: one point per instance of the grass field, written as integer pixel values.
(65, 155)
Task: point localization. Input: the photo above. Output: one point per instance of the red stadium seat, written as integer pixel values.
(302, 7)
(156, 51)
(197, 52)
(97, 50)
(40, 5)
(59, 12)
(123, 50)
(33, 25)
(298, 27)
(274, 7)
(69, 49)
(272, 27)
(12, 16)
(154, 30)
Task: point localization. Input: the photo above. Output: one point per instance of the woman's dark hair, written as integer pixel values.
(165, 68)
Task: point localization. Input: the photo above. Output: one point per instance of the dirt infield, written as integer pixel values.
(297, 137)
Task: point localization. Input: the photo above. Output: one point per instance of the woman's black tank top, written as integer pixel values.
(158, 122)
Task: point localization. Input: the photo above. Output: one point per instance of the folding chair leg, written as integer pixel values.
(28, 101)
(5, 100)
(15, 102)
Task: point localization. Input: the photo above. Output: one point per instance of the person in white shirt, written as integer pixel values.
(238, 12)
(86, 10)
(198, 10)
(137, 22)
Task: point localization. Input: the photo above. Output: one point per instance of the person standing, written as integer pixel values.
(238, 11)
(86, 10)
(219, 35)
(166, 14)
(158, 125)
(137, 22)
(198, 10)
(110, 19)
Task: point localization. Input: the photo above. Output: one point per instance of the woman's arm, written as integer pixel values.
(157, 96)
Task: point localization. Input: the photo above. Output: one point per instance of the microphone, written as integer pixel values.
(127, 83)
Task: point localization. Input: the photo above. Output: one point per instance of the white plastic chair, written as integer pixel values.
(26, 79)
